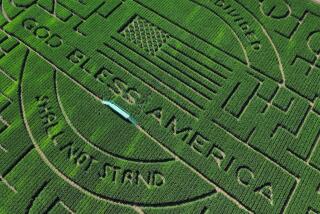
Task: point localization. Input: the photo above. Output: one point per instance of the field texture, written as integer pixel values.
(159, 106)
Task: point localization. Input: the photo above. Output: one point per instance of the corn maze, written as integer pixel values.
(149, 106)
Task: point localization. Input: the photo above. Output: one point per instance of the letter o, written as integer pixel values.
(42, 32)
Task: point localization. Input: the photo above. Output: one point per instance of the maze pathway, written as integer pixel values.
(213, 106)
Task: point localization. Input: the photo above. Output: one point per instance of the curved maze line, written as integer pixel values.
(133, 205)
(90, 143)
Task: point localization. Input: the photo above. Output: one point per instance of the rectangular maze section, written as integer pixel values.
(7, 44)
(145, 34)
(190, 76)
